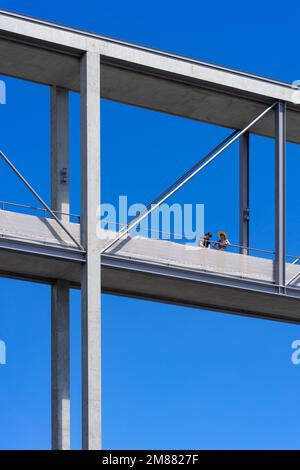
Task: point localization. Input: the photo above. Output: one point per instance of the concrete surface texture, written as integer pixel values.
(50, 54)
(39, 230)
(38, 249)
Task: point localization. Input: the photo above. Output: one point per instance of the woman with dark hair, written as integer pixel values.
(205, 240)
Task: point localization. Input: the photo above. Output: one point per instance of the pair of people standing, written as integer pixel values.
(220, 244)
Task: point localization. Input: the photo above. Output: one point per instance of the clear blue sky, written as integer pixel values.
(172, 377)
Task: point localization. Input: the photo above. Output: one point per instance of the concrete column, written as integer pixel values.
(60, 366)
(280, 190)
(90, 281)
(60, 331)
(60, 198)
(244, 193)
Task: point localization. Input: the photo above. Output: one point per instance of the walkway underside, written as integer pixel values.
(37, 249)
(50, 54)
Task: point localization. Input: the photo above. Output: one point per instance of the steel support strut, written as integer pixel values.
(185, 178)
(33, 191)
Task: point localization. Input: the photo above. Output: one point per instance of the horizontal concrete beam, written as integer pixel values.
(150, 269)
(161, 283)
(44, 33)
(50, 54)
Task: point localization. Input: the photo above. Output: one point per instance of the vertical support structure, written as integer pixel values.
(280, 183)
(60, 366)
(60, 191)
(90, 279)
(244, 203)
(60, 330)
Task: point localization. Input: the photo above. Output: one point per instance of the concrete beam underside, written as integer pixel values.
(145, 78)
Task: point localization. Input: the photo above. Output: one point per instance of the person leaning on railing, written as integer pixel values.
(223, 241)
(205, 240)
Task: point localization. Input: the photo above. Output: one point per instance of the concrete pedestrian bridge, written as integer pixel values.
(54, 249)
(37, 248)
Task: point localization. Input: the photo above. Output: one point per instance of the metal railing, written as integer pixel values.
(6, 204)
(180, 237)
(166, 235)
(40, 199)
(233, 247)
(184, 179)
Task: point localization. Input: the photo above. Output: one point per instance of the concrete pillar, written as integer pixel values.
(60, 331)
(60, 366)
(90, 280)
(280, 190)
(244, 193)
(60, 198)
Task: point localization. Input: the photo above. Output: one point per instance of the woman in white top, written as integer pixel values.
(223, 241)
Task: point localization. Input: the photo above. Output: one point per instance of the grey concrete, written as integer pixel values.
(60, 366)
(60, 331)
(36, 234)
(60, 187)
(55, 55)
(145, 268)
(280, 195)
(244, 201)
(174, 286)
(50, 54)
(163, 283)
(90, 276)
(39, 230)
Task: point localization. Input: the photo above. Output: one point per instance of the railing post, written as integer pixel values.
(280, 189)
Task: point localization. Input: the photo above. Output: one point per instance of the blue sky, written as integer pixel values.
(172, 377)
